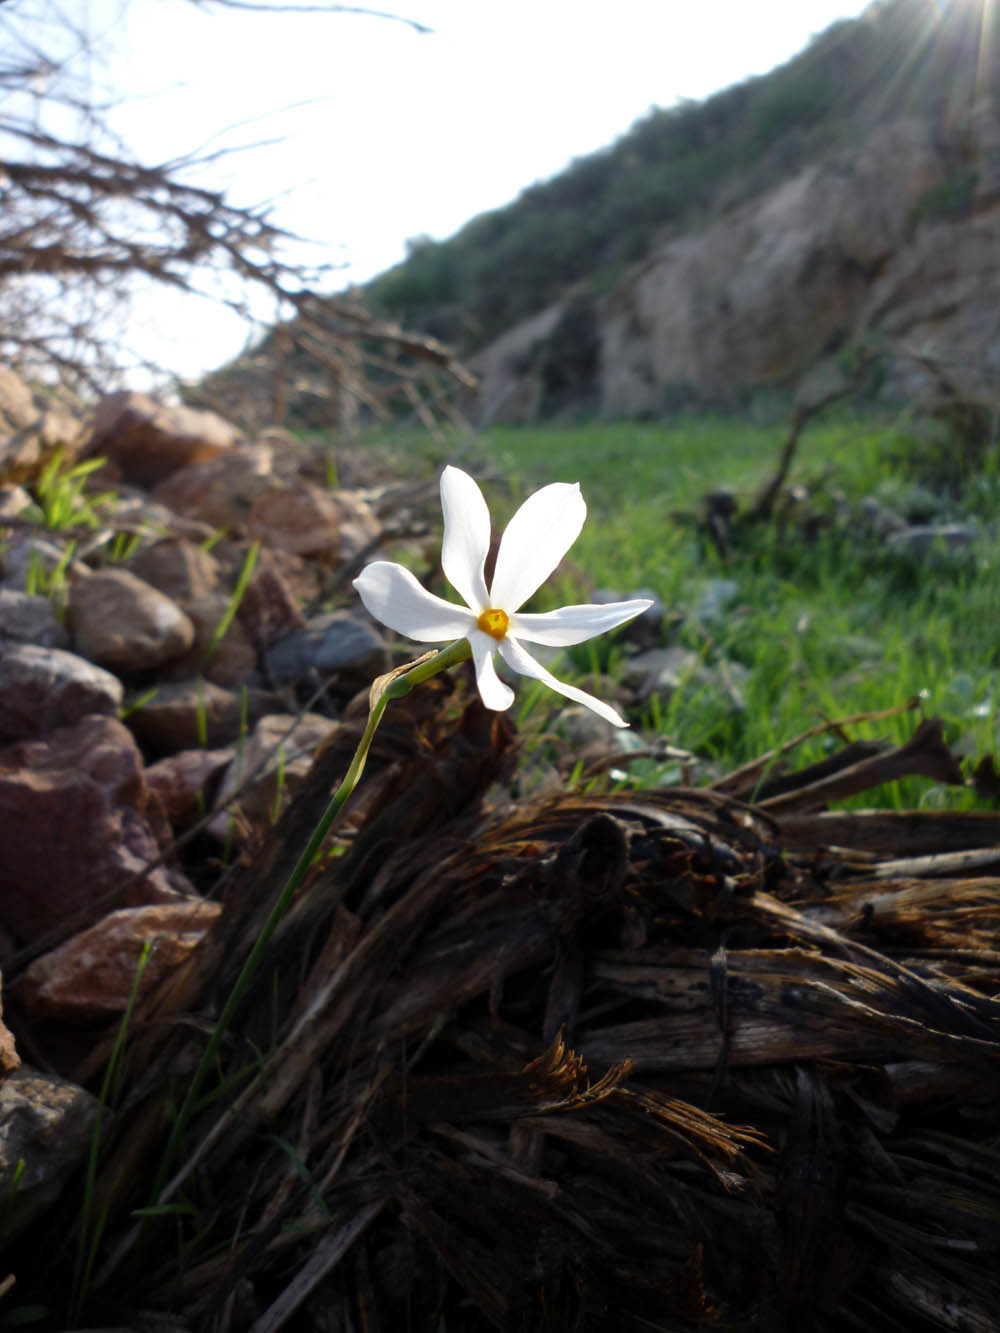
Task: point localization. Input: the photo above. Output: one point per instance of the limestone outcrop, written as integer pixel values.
(898, 242)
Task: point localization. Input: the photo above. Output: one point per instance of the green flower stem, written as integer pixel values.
(395, 685)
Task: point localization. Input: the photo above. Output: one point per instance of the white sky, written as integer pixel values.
(388, 134)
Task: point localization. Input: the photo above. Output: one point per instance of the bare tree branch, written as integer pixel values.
(85, 228)
(260, 7)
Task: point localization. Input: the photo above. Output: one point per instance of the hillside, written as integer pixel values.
(677, 168)
(848, 200)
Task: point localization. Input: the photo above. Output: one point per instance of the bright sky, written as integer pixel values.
(387, 133)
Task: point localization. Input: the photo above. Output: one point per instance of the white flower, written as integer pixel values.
(536, 539)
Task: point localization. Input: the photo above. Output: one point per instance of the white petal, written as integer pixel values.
(466, 536)
(536, 539)
(574, 624)
(515, 656)
(391, 594)
(493, 692)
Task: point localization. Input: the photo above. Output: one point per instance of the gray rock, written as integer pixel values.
(582, 727)
(46, 1125)
(29, 619)
(646, 630)
(268, 771)
(664, 671)
(122, 623)
(929, 539)
(185, 715)
(45, 688)
(329, 644)
(713, 597)
(878, 519)
(180, 569)
(29, 557)
(15, 502)
(661, 669)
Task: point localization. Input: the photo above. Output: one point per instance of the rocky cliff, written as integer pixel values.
(896, 242)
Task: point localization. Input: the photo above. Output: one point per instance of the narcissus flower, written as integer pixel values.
(536, 539)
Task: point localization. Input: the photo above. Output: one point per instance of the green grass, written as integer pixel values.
(824, 628)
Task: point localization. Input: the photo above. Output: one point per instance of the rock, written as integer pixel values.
(186, 715)
(713, 597)
(760, 291)
(9, 1058)
(42, 689)
(31, 432)
(336, 642)
(356, 523)
(17, 403)
(281, 749)
(30, 561)
(29, 619)
(90, 976)
(181, 570)
(665, 668)
(138, 511)
(301, 519)
(585, 731)
(268, 609)
(878, 520)
(933, 539)
(73, 828)
(185, 783)
(15, 502)
(148, 441)
(646, 630)
(121, 622)
(232, 659)
(664, 671)
(221, 491)
(46, 1126)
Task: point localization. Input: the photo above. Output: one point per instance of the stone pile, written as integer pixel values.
(171, 659)
(156, 652)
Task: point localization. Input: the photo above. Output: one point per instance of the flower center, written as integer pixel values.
(495, 623)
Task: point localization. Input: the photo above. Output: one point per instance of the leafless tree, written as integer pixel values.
(85, 226)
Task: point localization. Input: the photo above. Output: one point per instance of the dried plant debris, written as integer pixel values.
(644, 1061)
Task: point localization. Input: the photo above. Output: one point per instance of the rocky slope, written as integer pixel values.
(897, 245)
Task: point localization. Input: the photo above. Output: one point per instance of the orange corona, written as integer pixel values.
(494, 623)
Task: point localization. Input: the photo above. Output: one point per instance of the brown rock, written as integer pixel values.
(230, 661)
(179, 569)
(221, 491)
(186, 715)
(73, 828)
(302, 519)
(9, 1058)
(31, 432)
(281, 751)
(184, 783)
(148, 441)
(45, 688)
(269, 609)
(91, 975)
(121, 622)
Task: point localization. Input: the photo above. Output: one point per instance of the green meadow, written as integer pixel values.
(824, 620)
